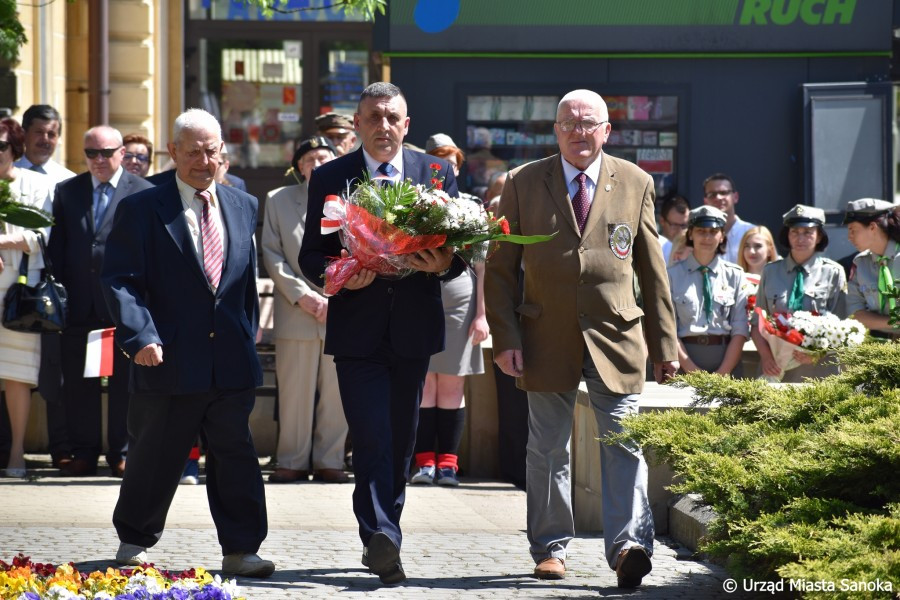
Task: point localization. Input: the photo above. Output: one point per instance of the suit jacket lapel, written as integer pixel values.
(171, 211)
(232, 210)
(558, 188)
(122, 190)
(602, 196)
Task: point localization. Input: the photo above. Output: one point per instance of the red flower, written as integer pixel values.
(435, 167)
(438, 185)
(795, 337)
(504, 227)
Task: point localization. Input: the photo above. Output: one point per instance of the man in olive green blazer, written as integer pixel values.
(579, 319)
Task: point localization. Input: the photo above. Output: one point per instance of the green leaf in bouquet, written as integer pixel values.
(524, 239)
(21, 215)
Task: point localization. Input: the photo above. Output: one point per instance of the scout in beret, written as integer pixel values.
(339, 129)
(805, 217)
(873, 227)
(802, 280)
(710, 300)
(310, 144)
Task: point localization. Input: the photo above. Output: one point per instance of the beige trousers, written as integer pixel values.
(307, 428)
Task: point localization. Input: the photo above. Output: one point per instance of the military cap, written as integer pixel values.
(316, 142)
(438, 140)
(333, 121)
(866, 209)
(804, 216)
(708, 216)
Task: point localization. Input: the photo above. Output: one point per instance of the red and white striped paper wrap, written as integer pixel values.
(98, 361)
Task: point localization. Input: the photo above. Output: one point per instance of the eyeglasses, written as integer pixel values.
(672, 224)
(718, 193)
(106, 152)
(144, 158)
(4, 146)
(586, 126)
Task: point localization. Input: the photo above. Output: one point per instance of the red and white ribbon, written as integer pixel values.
(334, 213)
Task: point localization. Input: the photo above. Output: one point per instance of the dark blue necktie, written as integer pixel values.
(102, 203)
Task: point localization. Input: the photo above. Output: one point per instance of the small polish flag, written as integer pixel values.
(98, 361)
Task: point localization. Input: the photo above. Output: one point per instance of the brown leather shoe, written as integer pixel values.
(550, 568)
(330, 476)
(79, 467)
(118, 469)
(288, 476)
(631, 567)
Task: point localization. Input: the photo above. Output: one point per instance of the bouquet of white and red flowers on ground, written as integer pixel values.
(813, 334)
(381, 224)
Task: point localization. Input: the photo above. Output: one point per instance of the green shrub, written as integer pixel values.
(805, 480)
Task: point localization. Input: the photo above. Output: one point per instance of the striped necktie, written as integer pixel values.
(211, 240)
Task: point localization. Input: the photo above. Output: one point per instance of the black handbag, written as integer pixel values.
(42, 308)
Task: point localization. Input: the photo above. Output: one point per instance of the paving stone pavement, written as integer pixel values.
(466, 542)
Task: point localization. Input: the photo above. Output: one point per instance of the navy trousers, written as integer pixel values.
(381, 394)
(163, 428)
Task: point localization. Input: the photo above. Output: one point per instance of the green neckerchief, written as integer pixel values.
(707, 292)
(795, 302)
(885, 282)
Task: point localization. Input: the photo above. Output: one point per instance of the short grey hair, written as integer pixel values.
(111, 131)
(195, 119)
(381, 89)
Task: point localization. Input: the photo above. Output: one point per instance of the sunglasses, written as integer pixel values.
(4, 146)
(106, 152)
(138, 157)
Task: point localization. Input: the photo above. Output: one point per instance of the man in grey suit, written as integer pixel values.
(83, 210)
(310, 430)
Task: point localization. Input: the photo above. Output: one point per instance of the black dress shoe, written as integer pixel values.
(79, 467)
(60, 458)
(633, 564)
(384, 559)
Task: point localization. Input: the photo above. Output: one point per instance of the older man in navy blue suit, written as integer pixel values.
(381, 332)
(179, 277)
(83, 209)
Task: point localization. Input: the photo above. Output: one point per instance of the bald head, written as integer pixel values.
(582, 127)
(585, 97)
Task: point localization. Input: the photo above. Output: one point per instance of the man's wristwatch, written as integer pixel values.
(443, 273)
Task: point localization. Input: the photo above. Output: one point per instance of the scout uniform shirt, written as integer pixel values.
(862, 292)
(824, 285)
(729, 298)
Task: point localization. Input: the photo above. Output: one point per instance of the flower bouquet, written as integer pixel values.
(26, 580)
(811, 333)
(381, 224)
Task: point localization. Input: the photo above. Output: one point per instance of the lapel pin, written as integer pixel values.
(608, 187)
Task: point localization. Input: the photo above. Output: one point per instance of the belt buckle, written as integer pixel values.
(703, 340)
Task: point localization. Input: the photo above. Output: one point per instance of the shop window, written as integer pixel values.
(504, 132)
(344, 72)
(295, 10)
(255, 90)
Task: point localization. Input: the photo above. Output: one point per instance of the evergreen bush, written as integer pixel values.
(805, 480)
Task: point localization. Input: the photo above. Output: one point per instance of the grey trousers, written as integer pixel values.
(627, 520)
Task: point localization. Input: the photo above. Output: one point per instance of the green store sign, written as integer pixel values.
(634, 26)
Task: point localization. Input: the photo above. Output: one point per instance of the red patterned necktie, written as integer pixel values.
(211, 240)
(580, 203)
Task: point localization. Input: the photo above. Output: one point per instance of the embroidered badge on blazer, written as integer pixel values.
(620, 240)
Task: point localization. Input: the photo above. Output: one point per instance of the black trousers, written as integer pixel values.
(83, 404)
(381, 395)
(163, 429)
